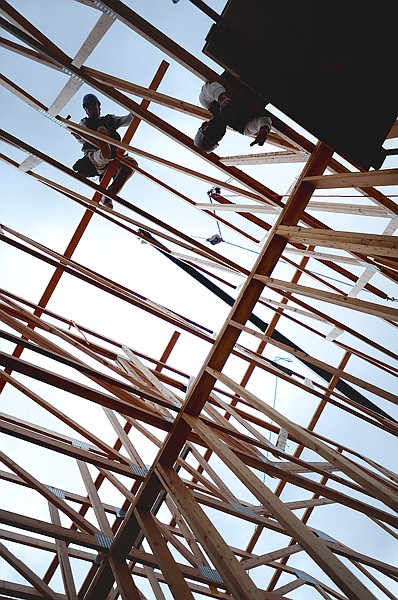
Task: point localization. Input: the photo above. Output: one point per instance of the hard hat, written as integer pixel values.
(204, 143)
(90, 98)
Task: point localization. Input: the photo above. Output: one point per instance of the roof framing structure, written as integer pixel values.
(189, 482)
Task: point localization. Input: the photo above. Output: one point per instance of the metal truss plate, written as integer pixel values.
(305, 577)
(80, 444)
(210, 573)
(244, 510)
(57, 492)
(104, 541)
(324, 536)
(141, 471)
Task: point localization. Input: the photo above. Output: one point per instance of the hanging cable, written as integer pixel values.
(215, 239)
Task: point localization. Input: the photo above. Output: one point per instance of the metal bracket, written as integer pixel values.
(71, 74)
(104, 9)
(305, 577)
(52, 118)
(104, 541)
(244, 510)
(141, 471)
(210, 573)
(80, 444)
(119, 512)
(324, 536)
(57, 492)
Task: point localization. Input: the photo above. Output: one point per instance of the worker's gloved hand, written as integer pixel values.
(224, 102)
(261, 136)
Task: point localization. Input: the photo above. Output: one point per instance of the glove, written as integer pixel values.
(224, 101)
(262, 135)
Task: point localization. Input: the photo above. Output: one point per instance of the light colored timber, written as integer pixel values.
(367, 243)
(63, 557)
(28, 574)
(375, 487)
(365, 179)
(333, 207)
(370, 308)
(315, 547)
(222, 557)
(265, 158)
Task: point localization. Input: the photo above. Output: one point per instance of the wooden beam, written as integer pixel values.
(28, 574)
(340, 373)
(94, 498)
(40, 544)
(74, 516)
(371, 308)
(265, 158)
(124, 580)
(367, 243)
(349, 260)
(372, 484)
(346, 180)
(363, 210)
(333, 207)
(225, 562)
(35, 525)
(263, 559)
(80, 390)
(173, 576)
(67, 448)
(313, 545)
(18, 590)
(63, 558)
(221, 349)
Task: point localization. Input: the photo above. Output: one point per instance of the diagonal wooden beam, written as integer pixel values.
(81, 228)
(371, 308)
(124, 580)
(218, 355)
(28, 574)
(376, 487)
(63, 558)
(176, 582)
(226, 564)
(313, 545)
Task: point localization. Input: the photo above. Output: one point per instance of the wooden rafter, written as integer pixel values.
(167, 442)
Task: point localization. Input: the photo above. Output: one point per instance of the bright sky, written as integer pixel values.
(50, 218)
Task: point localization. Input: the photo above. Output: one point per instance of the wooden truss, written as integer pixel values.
(194, 457)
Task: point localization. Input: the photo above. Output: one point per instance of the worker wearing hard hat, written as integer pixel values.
(231, 105)
(98, 154)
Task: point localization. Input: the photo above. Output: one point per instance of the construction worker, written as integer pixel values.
(233, 105)
(98, 154)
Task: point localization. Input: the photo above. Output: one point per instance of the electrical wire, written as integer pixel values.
(217, 190)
